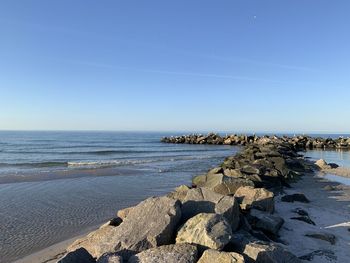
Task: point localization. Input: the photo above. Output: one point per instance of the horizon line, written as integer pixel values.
(182, 131)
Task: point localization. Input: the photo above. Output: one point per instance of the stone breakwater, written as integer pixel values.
(300, 142)
(226, 215)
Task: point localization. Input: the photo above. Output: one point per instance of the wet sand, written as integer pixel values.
(52, 253)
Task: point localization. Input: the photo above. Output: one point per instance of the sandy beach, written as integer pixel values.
(329, 208)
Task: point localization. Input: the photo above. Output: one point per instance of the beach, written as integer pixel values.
(45, 202)
(307, 218)
(329, 208)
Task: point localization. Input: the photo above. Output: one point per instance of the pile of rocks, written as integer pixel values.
(300, 142)
(227, 215)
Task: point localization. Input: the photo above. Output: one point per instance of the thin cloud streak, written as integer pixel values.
(193, 74)
(260, 63)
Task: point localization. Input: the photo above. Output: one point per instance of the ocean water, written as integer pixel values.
(340, 157)
(55, 185)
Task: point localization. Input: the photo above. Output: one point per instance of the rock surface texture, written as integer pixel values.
(206, 230)
(150, 224)
(179, 253)
(212, 255)
(226, 215)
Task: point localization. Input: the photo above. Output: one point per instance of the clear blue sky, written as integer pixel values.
(175, 65)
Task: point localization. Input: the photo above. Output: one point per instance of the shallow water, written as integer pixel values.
(337, 178)
(340, 157)
(47, 203)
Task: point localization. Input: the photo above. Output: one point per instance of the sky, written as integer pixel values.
(199, 65)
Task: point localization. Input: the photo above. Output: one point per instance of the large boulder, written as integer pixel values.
(150, 224)
(204, 200)
(265, 221)
(199, 180)
(261, 251)
(178, 253)
(179, 193)
(80, 255)
(259, 198)
(212, 255)
(225, 185)
(206, 231)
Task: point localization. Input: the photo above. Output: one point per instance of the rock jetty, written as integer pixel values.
(300, 142)
(226, 215)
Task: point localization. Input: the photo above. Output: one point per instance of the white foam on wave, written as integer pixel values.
(106, 163)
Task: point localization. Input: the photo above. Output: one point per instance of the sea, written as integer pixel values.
(56, 185)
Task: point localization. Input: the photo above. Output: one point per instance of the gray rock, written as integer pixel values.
(322, 236)
(261, 251)
(204, 200)
(225, 185)
(80, 255)
(199, 180)
(110, 258)
(149, 224)
(295, 198)
(206, 230)
(265, 221)
(259, 198)
(212, 255)
(178, 253)
(179, 193)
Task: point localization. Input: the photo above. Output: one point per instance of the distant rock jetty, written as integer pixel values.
(300, 142)
(226, 215)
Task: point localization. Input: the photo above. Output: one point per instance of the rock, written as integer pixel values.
(300, 212)
(233, 173)
(225, 185)
(80, 255)
(260, 251)
(178, 253)
(265, 221)
(204, 200)
(110, 258)
(123, 213)
(206, 230)
(149, 224)
(323, 253)
(216, 170)
(305, 219)
(199, 180)
(322, 164)
(263, 252)
(248, 169)
(295, 198)
(179, 193)
(212, 255)
(259, 198)
(322, 236)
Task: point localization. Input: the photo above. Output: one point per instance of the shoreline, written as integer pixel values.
(312, 186)
(309, 185)
(52, 253)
